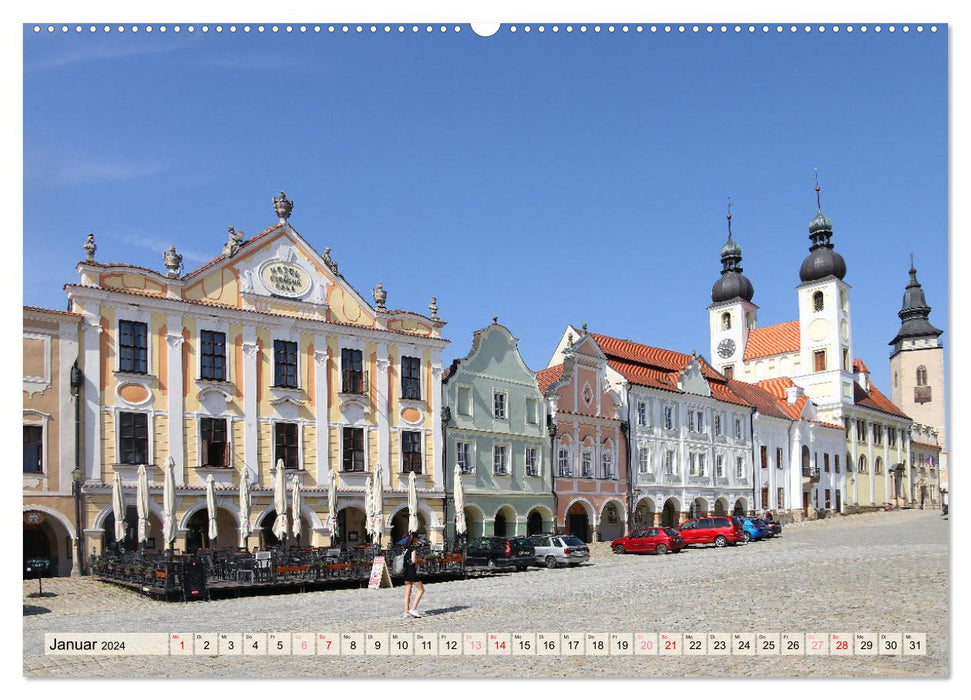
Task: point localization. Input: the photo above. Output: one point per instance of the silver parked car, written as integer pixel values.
(553, 550)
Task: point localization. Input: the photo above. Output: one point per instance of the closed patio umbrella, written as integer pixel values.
(211, 507)
(459, 502)
(369, 505)
(141, 503)
(118, 510)
(244, 506)
(280, 502)
(412, 504)
(377, 503)
(168, 503)
(332, 507)
(295, 508)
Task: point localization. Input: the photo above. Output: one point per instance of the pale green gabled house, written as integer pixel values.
(497, 433)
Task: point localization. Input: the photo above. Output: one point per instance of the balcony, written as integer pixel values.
(810, 475)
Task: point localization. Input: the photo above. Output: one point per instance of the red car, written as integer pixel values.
(650, 539)
(719, 531)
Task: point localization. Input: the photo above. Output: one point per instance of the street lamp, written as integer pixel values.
(77, 476)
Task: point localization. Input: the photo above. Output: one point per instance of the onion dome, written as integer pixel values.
(914, 312)
(732, 284)
(822, 260)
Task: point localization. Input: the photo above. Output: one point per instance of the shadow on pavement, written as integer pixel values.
(34, 610)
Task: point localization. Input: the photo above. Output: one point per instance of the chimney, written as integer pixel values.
(794, 393)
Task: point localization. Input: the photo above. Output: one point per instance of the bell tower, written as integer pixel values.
(917, 361)
(732, 314)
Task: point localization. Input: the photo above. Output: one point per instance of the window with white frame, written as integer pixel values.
(463, 456)
(215, 442)
(668, 418)
(352, 450)
(464, 401)
(740, 467)
(411, 460)
(212, 355)
(410, 377)
(133, 347)
(692, 464)
(670, 465)
(717, 420)
(701, 464)
(607, 463)
(531, 416)
(738, 429)
(499, 404)
(500, 459)
(644, 459)
(133, 438)
(700, 421)
(641, 413)
(33, 449)
(691, 421)
(286, 439)
(532, 461)
(586, 464)
(563, 466)
(720, 466)
(778, 458)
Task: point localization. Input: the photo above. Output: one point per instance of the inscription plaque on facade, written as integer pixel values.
(922, 394)
(285, 279)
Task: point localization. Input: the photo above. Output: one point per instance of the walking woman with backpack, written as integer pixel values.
(411, 576)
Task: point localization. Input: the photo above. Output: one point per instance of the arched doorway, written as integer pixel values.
(197, 530)
(578, 521)
(351, 526)
(46, 537)
(399, 525)
(644, 513)
(721, 507)
(534, 523)
(739, 508)
(670, 515)
(699, 508)
(473, 522)
(37, 545)
(504, 522)
(130, 541)
(611, 522)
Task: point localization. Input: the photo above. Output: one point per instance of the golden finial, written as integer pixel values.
(819, 206)
(729, 218)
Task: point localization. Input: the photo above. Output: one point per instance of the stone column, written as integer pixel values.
(322, 408)
(854, 468)
(91, 340)
(795, 473)
(869, 459)
(250, 407)
(175, 340)
(384, 425)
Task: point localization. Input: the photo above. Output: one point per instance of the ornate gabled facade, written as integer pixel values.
(264, 355)
(497, 435)
(590, 478)
(50, 348)
(690, 434)
(816, 353)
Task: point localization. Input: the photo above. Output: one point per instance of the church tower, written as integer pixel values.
(732, 315)
(825, 332)
(917, 361)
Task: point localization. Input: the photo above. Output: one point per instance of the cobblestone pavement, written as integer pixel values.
(881, 572)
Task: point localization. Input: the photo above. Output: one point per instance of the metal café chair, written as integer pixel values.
(264, 565)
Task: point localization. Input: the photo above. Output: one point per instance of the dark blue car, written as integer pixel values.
(754, 529)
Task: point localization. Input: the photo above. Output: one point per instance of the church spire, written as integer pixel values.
(822, 260)
(914, 311)
(732, 282)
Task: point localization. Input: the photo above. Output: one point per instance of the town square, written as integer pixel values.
(285, 359)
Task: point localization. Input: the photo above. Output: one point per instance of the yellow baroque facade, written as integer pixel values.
(264, 354)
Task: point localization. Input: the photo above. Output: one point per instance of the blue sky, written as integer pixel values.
(543, 178)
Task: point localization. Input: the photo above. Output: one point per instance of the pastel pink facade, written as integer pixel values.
(589, 448)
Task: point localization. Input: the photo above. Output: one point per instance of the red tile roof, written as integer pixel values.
(874, 398)
(723, 393)
(858, 366)
(829, 425)
(659, 358)
(762, 401)
(646, 376)
(549, 376)
(772, 340)
(925, 444)
(39, 310)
